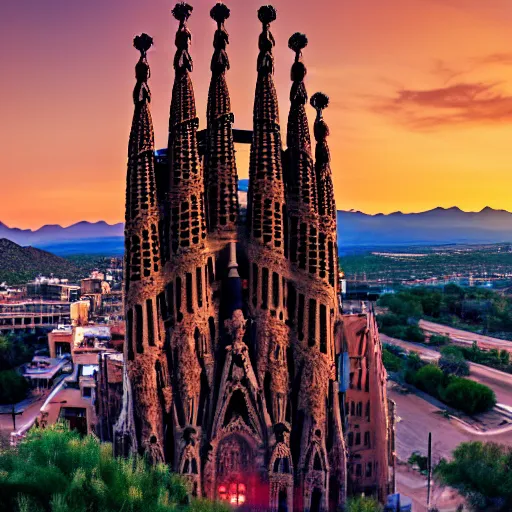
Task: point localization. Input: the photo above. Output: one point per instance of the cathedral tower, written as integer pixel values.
(237, 352)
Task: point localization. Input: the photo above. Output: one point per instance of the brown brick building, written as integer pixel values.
(235, 337)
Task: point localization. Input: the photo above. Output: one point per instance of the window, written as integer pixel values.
(369, 470)
(350, 438)
(358, 438)
(359, 470)
(359, 409)
(87, 392)
(367, 439)
(233, 494)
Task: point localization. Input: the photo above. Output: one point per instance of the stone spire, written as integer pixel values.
(300, 178)
(186, 195)
(141, 208)
(326, 204)
(220, 166)
(266, 189)
(142, 423)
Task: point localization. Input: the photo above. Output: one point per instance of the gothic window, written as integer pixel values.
(139, 325)
(294, 231)
(291, 301)
(211, 271)
(275, 289)
(316, 500)
(264, 288)
(151, 325)
(129, 334)
(312, 323)
(162, 304)
(323, 329)
(282, 465)
(303, 245)
(317, 462)
(179, 314)
(188, 284)
(199, 287)
(300, 317)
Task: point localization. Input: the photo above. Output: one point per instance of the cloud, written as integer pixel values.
(504, 59)
(458, 104)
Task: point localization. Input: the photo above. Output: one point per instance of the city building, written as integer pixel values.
(239, 362)
(33, 314)
(49, 288)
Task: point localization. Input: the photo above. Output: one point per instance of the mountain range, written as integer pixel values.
(355, 229)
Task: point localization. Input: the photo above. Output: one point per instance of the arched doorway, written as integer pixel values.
(235, 471)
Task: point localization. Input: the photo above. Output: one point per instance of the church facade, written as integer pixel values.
(241, 369)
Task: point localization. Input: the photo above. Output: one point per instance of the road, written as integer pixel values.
(499, 382)
(466, 337)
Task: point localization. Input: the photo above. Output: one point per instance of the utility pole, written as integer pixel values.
(429, 467)
(13, 414)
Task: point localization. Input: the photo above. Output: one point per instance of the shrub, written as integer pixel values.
(56, 470)
(429, 379)
(453, 362)
(415, 334)
(362, 504)
(468, 396)
(481, 473)
(391, 362)
(438, 340)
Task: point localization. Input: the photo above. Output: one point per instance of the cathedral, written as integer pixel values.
(242, 372)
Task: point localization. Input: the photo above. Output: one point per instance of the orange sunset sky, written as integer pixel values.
(420, 115)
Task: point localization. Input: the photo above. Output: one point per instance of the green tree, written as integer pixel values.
(54, 470)
(363, 504)
(468, 396)
(429, 379)
(13, 387)
(415, 334)
(482, 473)
(453, 361)
(392, 363)
(438, 340)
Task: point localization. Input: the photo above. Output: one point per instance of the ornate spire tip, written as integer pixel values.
(182, 11)
(143, 43)
(220, 12)
(319, 101)
(297, 42)
(267, 14)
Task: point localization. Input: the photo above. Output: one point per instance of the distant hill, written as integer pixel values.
(53, 233)
(437, 226)
(355, 229)
(21, 264)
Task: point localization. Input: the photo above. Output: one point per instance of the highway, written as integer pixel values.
(499, 382)
(466, 337)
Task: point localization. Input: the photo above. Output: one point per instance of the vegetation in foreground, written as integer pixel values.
(441, 382)
(482, 473)
(474, 309)
(15, 350)
(362, 504)
(55, 470)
